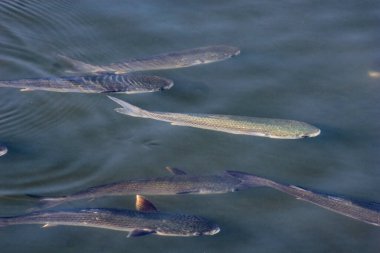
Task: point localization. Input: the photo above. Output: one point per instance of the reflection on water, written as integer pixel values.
(305, 61)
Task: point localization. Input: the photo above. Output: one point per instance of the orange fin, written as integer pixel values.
(144, 205)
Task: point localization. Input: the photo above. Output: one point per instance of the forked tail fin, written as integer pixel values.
(129, 109)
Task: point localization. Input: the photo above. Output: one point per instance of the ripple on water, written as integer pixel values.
(32, 33)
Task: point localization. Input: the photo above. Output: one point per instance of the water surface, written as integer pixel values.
(306, 61)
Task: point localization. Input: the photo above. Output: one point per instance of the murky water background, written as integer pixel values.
(300, 60)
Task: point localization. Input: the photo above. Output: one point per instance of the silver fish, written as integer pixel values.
(179, 59)
(146, 220)
(105, 83)
(178, 183)
(264, 127)
(3, 149)
(329, 202)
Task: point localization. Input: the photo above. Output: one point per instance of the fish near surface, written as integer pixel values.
(264, 127)
(146, 220)
(105, 83)
(229, 181)
(178, 183)
(172, 60)
(336, 204)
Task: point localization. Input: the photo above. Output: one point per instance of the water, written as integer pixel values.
(307, 61)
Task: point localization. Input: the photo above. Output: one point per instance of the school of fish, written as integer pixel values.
(146, 219)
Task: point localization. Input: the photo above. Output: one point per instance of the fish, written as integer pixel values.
(172, 60)
(179, 182)
(143, 221)
(228, 181)
(263, 127)
(327, 201)
(104, 83)
(3, 149)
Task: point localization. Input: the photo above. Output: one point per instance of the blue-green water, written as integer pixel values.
(302, 60)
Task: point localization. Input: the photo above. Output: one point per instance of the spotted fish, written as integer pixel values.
(264, 127)
(146, 220)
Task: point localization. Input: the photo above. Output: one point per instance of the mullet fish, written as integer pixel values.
(146, 220)
(105, 83)
(172, 60)
(264, 127)
(229, 181)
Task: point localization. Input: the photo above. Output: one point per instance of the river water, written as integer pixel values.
(302, 60)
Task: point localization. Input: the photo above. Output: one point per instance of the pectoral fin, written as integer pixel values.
(175, 171)
(144, 205)
(48, 225)
(26, 89)
(138, 232)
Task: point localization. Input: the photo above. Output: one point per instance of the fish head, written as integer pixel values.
(306, 130)
(217, 53)
(203, 55)
(186, 225)
(294, 130)
(145, 83)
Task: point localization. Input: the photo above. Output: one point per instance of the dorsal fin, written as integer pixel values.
(175, 171)
(144, 205)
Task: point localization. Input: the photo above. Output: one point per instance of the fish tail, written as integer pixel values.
(80, 66)
(129, 109)
(44, 202)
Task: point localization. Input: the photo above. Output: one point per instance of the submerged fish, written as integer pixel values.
(332, 203)
(3, 149)
(265, 127)
(146, 220)
(178, 183)
(229, 181)
(105, 83)
(179, 59)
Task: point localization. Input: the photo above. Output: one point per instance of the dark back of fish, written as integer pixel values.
(127, 83)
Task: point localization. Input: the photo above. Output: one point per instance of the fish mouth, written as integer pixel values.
(168, 86)
(237, 52)
(212, 232)
(313, 134)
